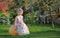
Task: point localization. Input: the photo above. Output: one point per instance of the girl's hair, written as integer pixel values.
(19, 9)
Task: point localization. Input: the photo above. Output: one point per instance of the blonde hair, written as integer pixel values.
(19, 9)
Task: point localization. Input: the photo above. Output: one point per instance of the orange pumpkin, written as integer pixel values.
(12, 31)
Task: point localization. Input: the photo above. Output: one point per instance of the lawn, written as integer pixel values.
(36, 31)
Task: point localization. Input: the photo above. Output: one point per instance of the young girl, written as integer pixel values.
(21, 27)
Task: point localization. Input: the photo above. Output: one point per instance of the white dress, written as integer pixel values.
(22, 29)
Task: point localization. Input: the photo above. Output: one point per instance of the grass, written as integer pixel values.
(36, 31)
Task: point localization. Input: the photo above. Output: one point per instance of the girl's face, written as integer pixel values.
(20, 11)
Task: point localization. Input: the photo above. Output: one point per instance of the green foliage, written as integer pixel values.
(46, 7)
(19, 3)
(38, 7)
(1, 13)
(3, 19)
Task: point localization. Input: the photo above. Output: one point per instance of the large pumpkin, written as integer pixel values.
(12, 31)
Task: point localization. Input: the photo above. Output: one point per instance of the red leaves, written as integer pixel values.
(2, 0)
(3, 6)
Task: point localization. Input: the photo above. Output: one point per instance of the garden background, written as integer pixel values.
(41, 16)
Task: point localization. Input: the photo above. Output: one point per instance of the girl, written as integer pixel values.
(19, 25)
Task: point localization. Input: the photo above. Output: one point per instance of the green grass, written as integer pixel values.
(36, 31)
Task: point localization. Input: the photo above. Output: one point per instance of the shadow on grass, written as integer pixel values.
(45, 34)
(50, 32)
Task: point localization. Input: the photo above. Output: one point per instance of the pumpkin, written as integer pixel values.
(12, 31)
